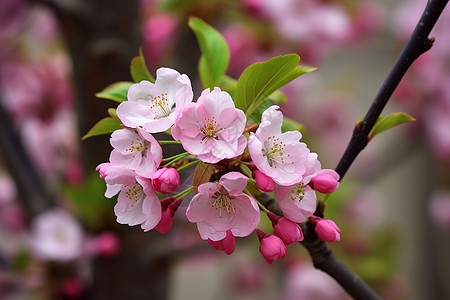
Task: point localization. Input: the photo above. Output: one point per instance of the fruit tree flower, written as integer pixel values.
(228, 244)
(280, 156)
(327, 181)
(289, 232)
(151, 106)
(272, 247)
(56, 235)
(327, 230)
(298, 201)
(222, 206)
(263, 182)
(137, 203)
(165, 180)
(139, 151)
(211, 128)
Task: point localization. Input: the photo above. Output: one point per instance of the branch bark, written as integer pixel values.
(417, 44)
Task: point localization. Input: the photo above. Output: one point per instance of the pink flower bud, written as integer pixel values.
(72, 288)
(289, 232)
(169, 207)
(263, 182)
(327, 230)
(165, 180)
(106, 244)
(327, 181)
(272, 247)
(228, 244)
(102, 169)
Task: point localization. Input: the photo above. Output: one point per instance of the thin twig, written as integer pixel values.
(418, 44)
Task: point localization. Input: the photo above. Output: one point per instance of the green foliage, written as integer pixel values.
(117, 91)
(291, 125)
(215, 53)
(388, 122)
(260, 80)
(89, 200)
(104, 126)
(21, 260)
(275, 98)
(138, 69)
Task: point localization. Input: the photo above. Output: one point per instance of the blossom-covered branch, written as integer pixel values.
(418, 44)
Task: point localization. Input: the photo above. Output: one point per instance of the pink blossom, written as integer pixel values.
(280, 156)
(211, 128)
(165, 180)
(72, 288)
(327, 181)
(169, 207)
(106, 244)
(158, 33)
(304, 282)
(298, 201)
(327, 230)
(56, 235)
(263, 182)
(137, 203)
(151, 106)
(288, 231)
(308, 21)
(272, 247)
(219, 207)
(227, 244)
(139, 151)
(101, 168)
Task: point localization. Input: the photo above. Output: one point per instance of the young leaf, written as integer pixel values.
(117, 91)
(291, 125)
(89, 201)
(104, 126)
(260, 80)
(275, 98)
(202, 174)
(138, 69)
(215, 53)
(388, 122)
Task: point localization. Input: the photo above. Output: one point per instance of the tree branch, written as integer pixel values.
(418, 44)
(324, 259)
(35, 197)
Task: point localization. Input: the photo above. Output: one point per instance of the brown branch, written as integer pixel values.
(417, 44)
(324, 259)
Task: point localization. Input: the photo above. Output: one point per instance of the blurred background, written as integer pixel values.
(58, 234)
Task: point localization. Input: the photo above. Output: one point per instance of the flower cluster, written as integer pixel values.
(213, 133)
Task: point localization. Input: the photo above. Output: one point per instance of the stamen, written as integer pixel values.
(298, 192)
(222, 200)
(160, 106)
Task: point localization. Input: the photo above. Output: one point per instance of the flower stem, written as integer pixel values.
(184, 193)
(262, 207)
(188, 165)
(169, 142)
(172, 159)
(240, 161)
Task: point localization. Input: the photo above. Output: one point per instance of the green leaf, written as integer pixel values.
(89, 200)
(388, 122)
(138, 69)
(260, 80)
(291, 125)
(215, 53)
(104, 126)
(117, 91)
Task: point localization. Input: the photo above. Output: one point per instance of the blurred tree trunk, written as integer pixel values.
(102, 37)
